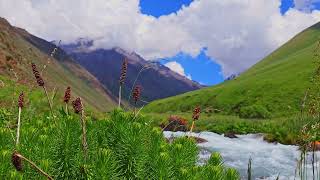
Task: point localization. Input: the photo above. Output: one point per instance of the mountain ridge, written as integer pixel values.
(157, 80)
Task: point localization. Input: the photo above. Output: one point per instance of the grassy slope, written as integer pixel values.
(16, 54)
(277, 83)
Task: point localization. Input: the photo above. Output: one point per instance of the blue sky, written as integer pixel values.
(201, 68)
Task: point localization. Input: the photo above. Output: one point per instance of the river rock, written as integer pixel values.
(230, 135)
(197, 139)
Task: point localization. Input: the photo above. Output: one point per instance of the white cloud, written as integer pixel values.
(176, 67)
(237, 33)
(189, 76)
(305, 5)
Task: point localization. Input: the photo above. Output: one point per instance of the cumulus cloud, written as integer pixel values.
(236, 33)
(176, 67)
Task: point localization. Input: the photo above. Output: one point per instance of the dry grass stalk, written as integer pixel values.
(122, 79)
(16, 79)
(53, 52)
(78, 109)
(145, 67)
(17, 159)
(20, 106)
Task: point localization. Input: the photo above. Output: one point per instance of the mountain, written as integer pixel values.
(18, 49)
(273, 87)
(157, 81)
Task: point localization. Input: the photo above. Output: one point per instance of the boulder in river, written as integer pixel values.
(230, 135)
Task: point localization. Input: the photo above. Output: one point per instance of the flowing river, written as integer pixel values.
(268, 159)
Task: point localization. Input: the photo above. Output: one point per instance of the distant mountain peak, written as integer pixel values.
(157, 80)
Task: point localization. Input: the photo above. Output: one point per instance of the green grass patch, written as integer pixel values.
(121, 146)
(283, 130)
(272, 88)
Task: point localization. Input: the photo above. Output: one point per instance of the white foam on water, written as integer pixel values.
(268, 159)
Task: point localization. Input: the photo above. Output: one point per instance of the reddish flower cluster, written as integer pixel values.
(123, 71)
(16, 161)
(136, 94)
(21, 100)
(196, 113)
(67, 95)
(37, 75)
(77, 105)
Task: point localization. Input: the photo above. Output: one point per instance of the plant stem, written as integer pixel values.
(35, 167)
(19, 124)
(192, 126)
(249, 169)
(49, 101)
(313, 159)
(84, 135)
(137, 113)
(119, 105)
(135, 81)
(67, 112)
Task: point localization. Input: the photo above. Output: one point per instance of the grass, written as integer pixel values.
(35, 98)
(272, 88)
(121, 146)
(284, 130)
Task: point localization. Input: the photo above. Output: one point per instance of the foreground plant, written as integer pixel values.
(78, 109)
(136, 96)
(195, 117)
(40, 82)
(20, 106)
(122, 79)
(17, 160)
(309, 144)
(66, 98)
(310, 132)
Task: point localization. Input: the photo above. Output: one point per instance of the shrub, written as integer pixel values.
(124, 146)
(254, 111)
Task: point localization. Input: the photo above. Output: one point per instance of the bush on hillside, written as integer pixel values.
(254, 111)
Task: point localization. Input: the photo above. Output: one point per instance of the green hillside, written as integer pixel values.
(274, 87)
(18, 49)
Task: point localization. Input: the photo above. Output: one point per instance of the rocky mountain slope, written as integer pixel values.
(18, 49)
(157, 81)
